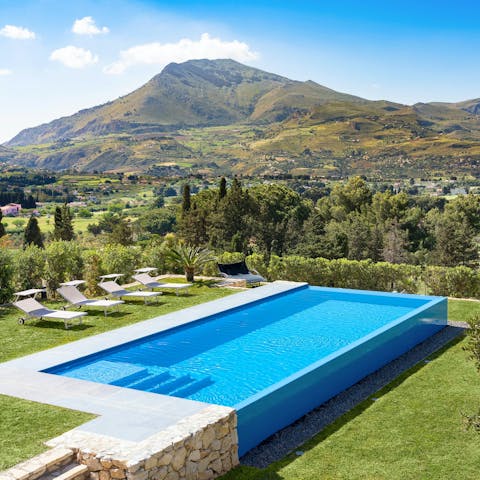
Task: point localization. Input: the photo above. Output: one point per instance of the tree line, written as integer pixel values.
(352, 222)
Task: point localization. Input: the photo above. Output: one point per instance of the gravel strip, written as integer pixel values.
(292, 437)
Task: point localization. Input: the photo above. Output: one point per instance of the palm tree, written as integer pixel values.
(190, 258)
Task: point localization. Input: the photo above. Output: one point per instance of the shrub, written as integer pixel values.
(29, 268)
(155, 255)
(473, 340)
(256, 261)
(352, 274)
(473, 349)
(6, 276)
(451, 281)
(63, 262)
(118, 258)
(399, 277)
(92, 271)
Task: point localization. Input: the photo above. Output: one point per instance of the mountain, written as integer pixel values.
(191, 94)
(219, 116)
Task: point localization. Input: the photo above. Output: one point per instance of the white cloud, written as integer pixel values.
(17, 33)
(74, 57)
(186, 49)
(87, 26)
(4, 72)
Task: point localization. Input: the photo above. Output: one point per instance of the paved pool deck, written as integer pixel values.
(125, 414)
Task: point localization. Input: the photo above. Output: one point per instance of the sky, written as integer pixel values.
(57, 56)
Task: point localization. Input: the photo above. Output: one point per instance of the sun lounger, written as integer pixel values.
(149, 282)
(32, 292)
(146, 270)
(115, 290)
(240, 271)
(35, 309)
(76, 298)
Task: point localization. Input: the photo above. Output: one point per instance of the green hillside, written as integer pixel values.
(219, 116)
(194, 93)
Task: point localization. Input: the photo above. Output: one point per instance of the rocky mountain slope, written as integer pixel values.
(222, 116)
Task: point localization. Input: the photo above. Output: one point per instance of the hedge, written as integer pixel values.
(62, 261)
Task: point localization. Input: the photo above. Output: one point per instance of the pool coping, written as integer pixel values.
(125, 414)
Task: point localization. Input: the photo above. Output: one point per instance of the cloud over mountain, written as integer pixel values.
(74, 57)
(87, 26)
(185, 49)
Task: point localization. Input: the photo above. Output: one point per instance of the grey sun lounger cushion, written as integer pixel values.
(248, 277)
(75, 297)
(35, 309)
(150, 282)
(114, 289)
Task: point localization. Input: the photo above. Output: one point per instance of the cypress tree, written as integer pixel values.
(2, 227)
(223, 188)
(32, 234)
(58, 224)
(67, 226)
(186, 203)
(63, 229)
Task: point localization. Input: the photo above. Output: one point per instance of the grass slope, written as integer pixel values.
(26, 425)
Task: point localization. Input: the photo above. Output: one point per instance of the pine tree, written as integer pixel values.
(186, 202)
(32, 234)
(122, 233)
(223, 188)
(2, 227)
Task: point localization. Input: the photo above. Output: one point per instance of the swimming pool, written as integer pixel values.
(274, 359)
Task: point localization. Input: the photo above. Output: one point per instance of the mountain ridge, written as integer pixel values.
(219, 116)
(191, 94)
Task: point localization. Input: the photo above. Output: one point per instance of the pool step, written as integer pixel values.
(150, 382)
(172, 385)
(176, 383)
(192, 388)
(129, 379)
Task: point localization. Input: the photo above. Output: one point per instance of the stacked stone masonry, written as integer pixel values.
(200, 447)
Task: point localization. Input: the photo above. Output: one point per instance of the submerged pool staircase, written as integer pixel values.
(169, 381)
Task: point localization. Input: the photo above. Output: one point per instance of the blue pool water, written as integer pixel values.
(234, 355)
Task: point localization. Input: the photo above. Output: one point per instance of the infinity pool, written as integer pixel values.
(242, 356)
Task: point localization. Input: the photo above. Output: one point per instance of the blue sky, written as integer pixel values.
(57, 57)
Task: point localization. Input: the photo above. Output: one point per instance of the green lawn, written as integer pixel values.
(25, 425)
(19, 340)
(412, 431)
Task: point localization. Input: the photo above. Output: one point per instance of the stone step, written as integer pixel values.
(72, 471)
(40, 466)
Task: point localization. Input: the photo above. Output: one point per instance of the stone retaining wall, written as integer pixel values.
(200, 447)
